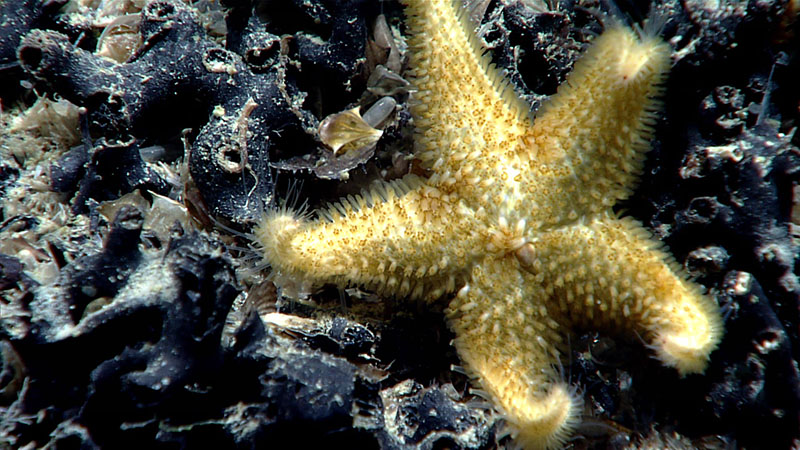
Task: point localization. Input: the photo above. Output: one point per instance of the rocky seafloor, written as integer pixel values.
(141, 140)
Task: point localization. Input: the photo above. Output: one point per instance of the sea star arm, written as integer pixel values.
(602, 273)
(591, 136)
(587, 144)
(395, 239)
(608, 273)
(510, 343)
(460, 99)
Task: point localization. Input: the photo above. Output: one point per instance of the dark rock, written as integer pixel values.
(8, 174)
(535, 49)
(180, 78)
(129, 359)
(722, 111)
(707, 260)
(115, 169)
(98, 276)
(18, 18)
(756, 391)
(432, 417)
(10, 271)
(67, 172)
(12, 374)
(337, 57)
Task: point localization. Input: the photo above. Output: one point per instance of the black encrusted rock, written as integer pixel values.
(536, 49)
(107, 171)
(328, 40)
(16, 19)
(10, 271)
(433, 417)
(756, 393)
(179, 78)
(122, 339)
(747, 211)
(102, 275)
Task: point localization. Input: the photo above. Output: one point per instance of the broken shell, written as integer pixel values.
(121, 38)
(346, 131)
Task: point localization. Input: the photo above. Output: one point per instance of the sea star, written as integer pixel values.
(516, 217)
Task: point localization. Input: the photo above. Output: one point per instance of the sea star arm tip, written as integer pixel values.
(548, 421)
(687, 337)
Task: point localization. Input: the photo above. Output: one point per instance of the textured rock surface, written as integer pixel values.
(128, 321)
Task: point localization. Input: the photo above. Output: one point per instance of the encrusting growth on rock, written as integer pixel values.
(516, 218)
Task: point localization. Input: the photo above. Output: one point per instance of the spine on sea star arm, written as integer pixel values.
(601, 119)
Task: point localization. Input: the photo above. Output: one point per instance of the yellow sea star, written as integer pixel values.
(516, 217)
